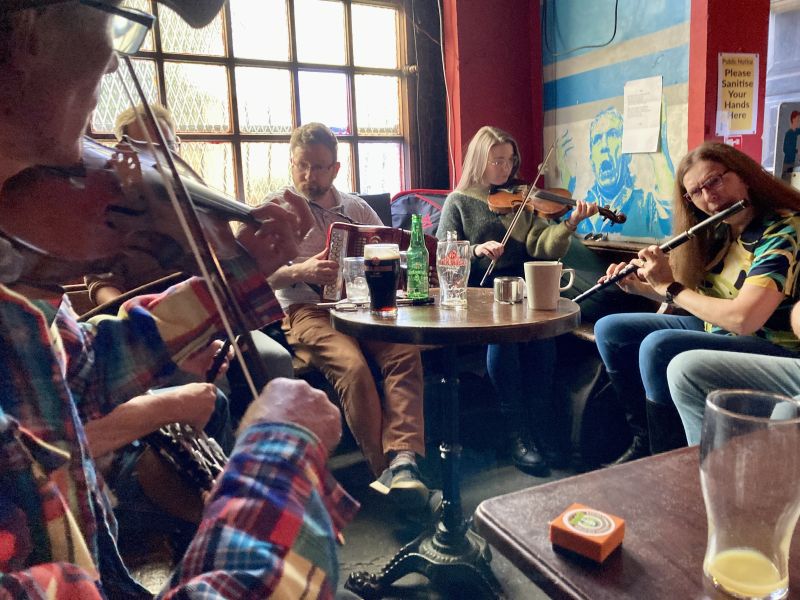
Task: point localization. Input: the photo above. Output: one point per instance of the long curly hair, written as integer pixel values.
(766, 193)
(477, 155)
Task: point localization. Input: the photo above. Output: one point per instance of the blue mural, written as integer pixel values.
(614, 187)
(591, 49)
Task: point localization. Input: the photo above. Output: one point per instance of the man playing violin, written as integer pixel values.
(56, 527)
(389, 432)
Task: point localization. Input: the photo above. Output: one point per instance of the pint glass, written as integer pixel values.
(750, 475)
(382, 270)
(452, 267)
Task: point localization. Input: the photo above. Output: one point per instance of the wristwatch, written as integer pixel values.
(673, 289)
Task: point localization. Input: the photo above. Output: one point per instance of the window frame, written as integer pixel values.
(236, 137)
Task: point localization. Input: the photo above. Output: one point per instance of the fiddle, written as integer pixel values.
(112, 203)
(552, 203)
(530, 198)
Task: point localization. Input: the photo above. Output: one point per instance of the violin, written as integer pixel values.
(112, 203)
(552, 203)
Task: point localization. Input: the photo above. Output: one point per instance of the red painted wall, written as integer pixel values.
(494, 74)
(724, 26)
(494, 70)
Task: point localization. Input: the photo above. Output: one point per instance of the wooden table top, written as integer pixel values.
(665, 531)
(483, 321)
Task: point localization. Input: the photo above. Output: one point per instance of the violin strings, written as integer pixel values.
(168, 184)
(520, 209)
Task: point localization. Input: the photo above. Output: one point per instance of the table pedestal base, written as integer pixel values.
(463, 565)
(450, 555)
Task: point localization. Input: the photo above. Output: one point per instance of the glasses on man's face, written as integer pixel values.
(712, 183)
(503, 162)
(129, 26)
(304, 167)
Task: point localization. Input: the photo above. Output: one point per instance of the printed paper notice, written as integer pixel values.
(642, 119)
(737, 94)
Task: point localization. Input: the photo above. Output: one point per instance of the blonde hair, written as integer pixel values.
(477, 155)
(765, 193)
(128, 116)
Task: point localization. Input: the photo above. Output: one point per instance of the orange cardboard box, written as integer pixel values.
(587, 531)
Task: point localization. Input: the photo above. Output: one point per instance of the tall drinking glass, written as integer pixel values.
(750, 475)
(452, 267)
(382, 271)
(355, 282)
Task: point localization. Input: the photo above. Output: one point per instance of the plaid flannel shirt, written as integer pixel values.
(56, 527)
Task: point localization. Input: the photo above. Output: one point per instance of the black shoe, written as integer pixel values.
(527, 458)
(664, 427)
(558, 459)
(639, 448)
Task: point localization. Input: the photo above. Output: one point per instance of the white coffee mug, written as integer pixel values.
(543, 283)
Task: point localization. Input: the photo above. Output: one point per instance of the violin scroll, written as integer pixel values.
(615, 217)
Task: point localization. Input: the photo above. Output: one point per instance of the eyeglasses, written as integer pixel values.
(304, 167)
(503, 162)
(129, 26)
(712, 183)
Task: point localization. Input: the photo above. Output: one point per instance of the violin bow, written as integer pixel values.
(207, 261)
(520, 209)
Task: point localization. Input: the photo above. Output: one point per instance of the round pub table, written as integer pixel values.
(450, 554)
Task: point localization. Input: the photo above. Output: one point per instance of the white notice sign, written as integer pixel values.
(642, 118)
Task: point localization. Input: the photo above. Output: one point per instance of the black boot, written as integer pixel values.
(639, 448)
(631, 396)
(526, 456)
(665, 427)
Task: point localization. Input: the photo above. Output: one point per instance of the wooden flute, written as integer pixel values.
(668, 245)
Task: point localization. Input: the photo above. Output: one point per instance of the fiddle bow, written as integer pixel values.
(518, 212)
(534, 195)
(206, 257)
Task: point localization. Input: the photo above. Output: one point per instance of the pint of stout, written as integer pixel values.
(382, 271)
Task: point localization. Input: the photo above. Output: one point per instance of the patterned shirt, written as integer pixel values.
(767, 255)
(56, 527)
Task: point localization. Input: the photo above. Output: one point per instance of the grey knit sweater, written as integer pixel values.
(467, 213)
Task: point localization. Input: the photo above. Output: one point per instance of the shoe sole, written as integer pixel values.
(412, 495)
(542, 470)
(380, 487)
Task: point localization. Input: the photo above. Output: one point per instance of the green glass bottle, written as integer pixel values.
(417, 262)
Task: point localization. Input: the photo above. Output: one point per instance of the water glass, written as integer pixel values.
(452, 267)
(355, 281)
(750, 475)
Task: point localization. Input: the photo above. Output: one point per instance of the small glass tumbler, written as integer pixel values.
(750, 475)
(452, 267)
(355, 281)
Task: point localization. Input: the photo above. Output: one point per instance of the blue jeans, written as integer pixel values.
(692, 375)
(650, 341)
(522, 376)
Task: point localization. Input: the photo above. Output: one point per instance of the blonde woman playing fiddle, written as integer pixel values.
(491, 161)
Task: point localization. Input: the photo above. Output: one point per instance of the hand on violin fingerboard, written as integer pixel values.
(201, 361)
(582, 210)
